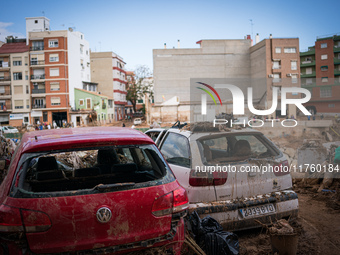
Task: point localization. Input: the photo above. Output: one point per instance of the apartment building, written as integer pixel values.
(271, 62)
(14, 82)
(276, 61)
(320, 73)
(59, 63)
(108, 71)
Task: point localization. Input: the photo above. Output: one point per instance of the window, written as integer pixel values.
(324, 68)
(54, 86)
(17, 76)
(277, 49)
(39, 103)
(54, 57)
(309, 70)
(276, 77)
(309, 59)
(81, 49)
(36, 21)
(54, 71)
(38, 45)
(88, 103)
(110, 103)
(18, 104)
(290, 50)
(2, 89)
(81, 102)
(324, 79)
(324, 56)
(326, 92)
(294, 78)
(331, 105)
(27, 89)
(55, 100)
(276, 64)
(53, 43)
(176, 150)
(323, 45)
(17, 90)
(293, 65)
(17, 63)
(27, 106)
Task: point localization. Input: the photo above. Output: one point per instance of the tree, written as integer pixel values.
(140, 85)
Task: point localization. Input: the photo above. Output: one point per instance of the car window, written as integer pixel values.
(81, 169)
(176, 150)
(153, 135)
(226, 148)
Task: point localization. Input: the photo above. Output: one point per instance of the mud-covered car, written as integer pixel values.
(90, 191)
(236, 176)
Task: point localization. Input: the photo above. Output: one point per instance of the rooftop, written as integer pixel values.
(14, 48)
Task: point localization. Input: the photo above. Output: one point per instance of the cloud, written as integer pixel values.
(5, 31)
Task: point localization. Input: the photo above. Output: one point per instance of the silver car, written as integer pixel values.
(238, 177)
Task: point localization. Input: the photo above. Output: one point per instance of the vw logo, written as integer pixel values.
(104, 214)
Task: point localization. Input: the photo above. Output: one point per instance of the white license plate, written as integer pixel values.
(257, 210)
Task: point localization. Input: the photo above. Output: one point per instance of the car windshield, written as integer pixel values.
(11, 128)
(94, 168)
(226, 148)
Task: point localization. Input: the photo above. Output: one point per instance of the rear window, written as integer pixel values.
(227, 148)
(91, 170)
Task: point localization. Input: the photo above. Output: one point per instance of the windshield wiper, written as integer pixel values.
(103, 187)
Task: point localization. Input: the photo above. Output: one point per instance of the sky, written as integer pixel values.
(132, 28)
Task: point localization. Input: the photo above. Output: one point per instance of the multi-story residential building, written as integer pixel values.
(277, 59)
(108, 71)
(271, 62)
(59, 63)
(320, 73)
(14, 82)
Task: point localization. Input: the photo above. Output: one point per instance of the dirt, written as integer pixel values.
(318, 228)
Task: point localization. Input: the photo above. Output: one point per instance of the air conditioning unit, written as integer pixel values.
(270, 75)
(289, 75)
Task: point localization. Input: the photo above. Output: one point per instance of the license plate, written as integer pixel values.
(257, 210)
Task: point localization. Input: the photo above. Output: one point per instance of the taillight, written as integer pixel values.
(173, 202)
(10, 219)
(197, 178)
(281, 169)
(162, 205)
(181, 201)
(35, 221)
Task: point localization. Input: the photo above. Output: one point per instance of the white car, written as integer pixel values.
(235, 196)
(137, 121)
(9, 130)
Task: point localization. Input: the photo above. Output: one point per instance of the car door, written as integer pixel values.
(176, 149)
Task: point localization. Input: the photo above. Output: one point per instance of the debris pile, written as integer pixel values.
(7, 148)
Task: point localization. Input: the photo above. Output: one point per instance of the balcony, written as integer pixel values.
(5, 78)
(37, 106)
(336, 61)
(307, 63)
(310, 75)
(6, 107)
(38, 91)
(336, 49)
(38, 77)
(37, 48)
(4, 65)
(37, 62)
(336, 72)
(276, 80)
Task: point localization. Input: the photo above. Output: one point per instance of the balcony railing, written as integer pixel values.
(4, 64)
(38, 91)
(308, 75)
(35, 48)
(307, 63)
(37, 106)
(5, 78)
(38, 77)
(37, 62)
(6, 107)
(104, 106)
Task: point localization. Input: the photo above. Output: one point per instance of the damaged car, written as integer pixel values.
(238, 177)
(90, 191)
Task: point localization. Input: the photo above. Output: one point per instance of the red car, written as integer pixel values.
(90, 191)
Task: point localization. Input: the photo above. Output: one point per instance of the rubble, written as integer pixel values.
(7, 149)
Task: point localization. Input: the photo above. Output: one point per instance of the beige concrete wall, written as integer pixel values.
(102, 72)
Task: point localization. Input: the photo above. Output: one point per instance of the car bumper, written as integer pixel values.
(228, 213)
